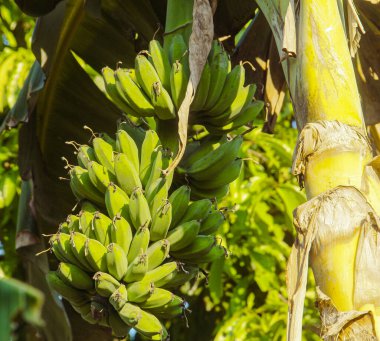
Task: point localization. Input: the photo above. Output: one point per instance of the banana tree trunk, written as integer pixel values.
(338, 227)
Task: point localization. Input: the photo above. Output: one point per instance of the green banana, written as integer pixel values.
(230, 173)
(179, 78)
(83, 308)
(110, 86)
(139, 291)
(161, 272)
(119, 328)
(82, 186)
(119, 297)
(213, 162)
(137, 269)
(117, 262)
(139, 212)
(64, 227)
(85, 154)
(88, 318)
(57, 249)
(160, 62)
(177, 49)
(198, 193)
(219, 69)
(139, 244)
(239, 104)
(121, 233)
(96, 255)
(157, 253)
(73, 223)
(217, 251)
(105, 284)
(155, 169)
(201, 93)
(183, 235)
(176, 279)
(179, 201)
(127, 175)
(66, 291)
(64, 248)
(162, 102)
(104, 153)
(143, 322)
(136, 132)
(161, 221)
(126, 87)
(101, 225)
(125, 144)
(212, 222)
(157, 193)
(233, 85)
(88, 206)
(99, 176)
(78, 247)
(197, 210)
(74, 276)
(85, 223)
(150, 143)
(199, 247)
(170, 310)
(117, 202)
(246, 116)
(159, 298)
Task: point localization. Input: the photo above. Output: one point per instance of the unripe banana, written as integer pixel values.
(179, 200)
(177, 278)
(202, 193)
(197, 210)
(133, 94)
(127, 175)
(99, 176)
(87, 206)
(85, 223)
(158, 274)
(161, 221)
(212, 222)
(74, 276)
(125, 144)
(227, 175)
(54, 246)
(83, 308)
(179, 78)
(102, 225)
(183, 235)
(85, 155)
(157, 253)
(64, 227)
(163, 103)
(150, 143)
(104, 153)
(170, 310)
(199, 247)
(117, 202)
(88, 318)
(219, 69)
(121, 233)
(110, 86)
(110, 140)
(146, 74)
(117, 262)
(139, 212)
(119, 297)
(73, 223)
(157, 193)
(136, 132)
(139, 243)
(160, 62)
(234, 83)
(66, 291)
(217, 251)
(96, 255)
(119, 328)
(144, 323)
(137, 269)
(155, 169)
(139, 291)
(78, 248)
(158, 299)
(64, 247)
(105, 284)
(213, 162)
(82, 186)
(200, 96)
(177, 49)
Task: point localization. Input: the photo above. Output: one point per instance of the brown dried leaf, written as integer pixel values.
(199, 47)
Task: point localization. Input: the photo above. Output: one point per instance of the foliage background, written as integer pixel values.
(245, 295)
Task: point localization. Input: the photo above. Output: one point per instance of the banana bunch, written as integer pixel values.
(210, 165)
(135, 237)
(157, 87)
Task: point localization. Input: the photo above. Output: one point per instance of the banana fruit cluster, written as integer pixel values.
(135, 238)
(157, 86)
